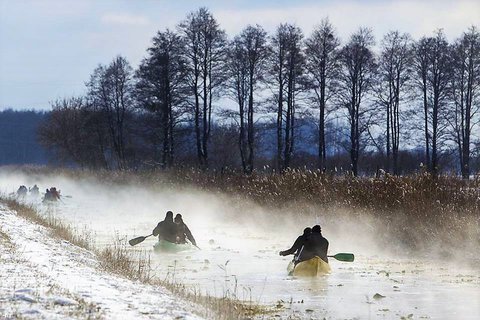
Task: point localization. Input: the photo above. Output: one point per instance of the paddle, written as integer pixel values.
(138, 240)
(297, 257)
(346, 257)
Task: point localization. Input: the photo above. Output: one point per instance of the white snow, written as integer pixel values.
(46, 278)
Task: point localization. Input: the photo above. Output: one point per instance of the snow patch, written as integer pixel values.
(63, 281)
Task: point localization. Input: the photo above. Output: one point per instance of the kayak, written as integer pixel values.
(309, 268)
(167, 246)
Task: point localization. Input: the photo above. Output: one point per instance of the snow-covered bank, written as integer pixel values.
(43, 277)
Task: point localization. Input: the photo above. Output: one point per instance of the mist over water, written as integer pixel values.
(240, 242)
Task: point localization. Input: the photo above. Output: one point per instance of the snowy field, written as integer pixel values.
(46, 278)
(238, 258)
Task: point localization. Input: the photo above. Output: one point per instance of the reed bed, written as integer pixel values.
(420, 209)
(418, 194)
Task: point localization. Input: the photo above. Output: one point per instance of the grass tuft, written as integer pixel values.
(57, 228)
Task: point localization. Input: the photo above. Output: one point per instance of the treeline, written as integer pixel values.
(281, 99)
(18, 137)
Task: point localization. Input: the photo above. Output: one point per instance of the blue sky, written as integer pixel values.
(48, 49)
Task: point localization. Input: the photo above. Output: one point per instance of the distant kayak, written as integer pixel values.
(167, 246)
(309, 268)
(49, 201)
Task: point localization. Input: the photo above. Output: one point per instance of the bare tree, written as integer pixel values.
(110, 92)
(205, 50)
(394, 73)
(287, 68)
(68, 131)
(421, 67)
(322, 65)
(433, 68)
(160, 88)
(247, 66)
(356, 80)
(465, 89)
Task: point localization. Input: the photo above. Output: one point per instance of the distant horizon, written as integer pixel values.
(49, 48)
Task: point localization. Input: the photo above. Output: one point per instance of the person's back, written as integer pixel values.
(315, 245)
(166, 229)
(22, 191)
(47, 196)
(181, 237)
(54, 193)
(183, 232)
(34, 190)
(298, 244)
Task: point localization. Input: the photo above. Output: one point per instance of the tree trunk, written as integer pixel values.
(425, 112)
(250, 129)
(322, 157)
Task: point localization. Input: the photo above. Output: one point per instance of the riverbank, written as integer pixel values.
(44, 277)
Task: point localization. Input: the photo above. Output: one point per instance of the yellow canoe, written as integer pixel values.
(309, 268)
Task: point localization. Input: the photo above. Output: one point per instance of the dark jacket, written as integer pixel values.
(22, 191)
(184, 233)
(315, 245)
(166, 230)
(49, 196)
(297, 245)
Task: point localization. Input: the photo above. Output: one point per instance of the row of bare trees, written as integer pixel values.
(401, 94)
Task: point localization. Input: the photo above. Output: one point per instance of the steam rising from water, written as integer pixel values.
(130, 210)
(134, 210)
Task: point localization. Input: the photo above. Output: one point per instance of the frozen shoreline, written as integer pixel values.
(44, 277)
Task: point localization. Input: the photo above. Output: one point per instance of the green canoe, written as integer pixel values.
(167, 246)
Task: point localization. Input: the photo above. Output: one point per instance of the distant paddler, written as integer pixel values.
(34, 191)
(22, 191)
(52, 194)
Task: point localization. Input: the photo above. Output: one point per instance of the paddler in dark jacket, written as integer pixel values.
(183, 232)
(315, 245)
(22, 191)
(55, 195)
(298, 244)
(166, 229)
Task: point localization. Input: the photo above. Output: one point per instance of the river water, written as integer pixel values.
(239, 256)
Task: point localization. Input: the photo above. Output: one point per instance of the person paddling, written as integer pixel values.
(22, 191)
(54, 194)
(166, 229)
(298, 244)
(183, 232)
(315, 245)
(34, 191)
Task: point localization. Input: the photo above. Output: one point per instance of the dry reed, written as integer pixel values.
(415, 207)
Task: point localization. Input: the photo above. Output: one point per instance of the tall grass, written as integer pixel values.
(420, 209)
(418, 194)
(58, 229)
